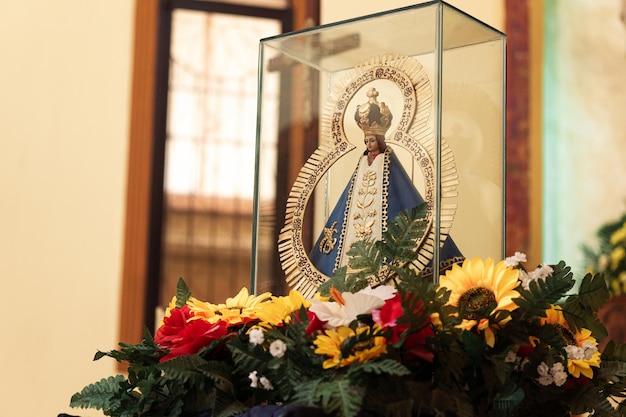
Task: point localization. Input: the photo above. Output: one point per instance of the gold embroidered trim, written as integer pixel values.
(327, 244)
(365, 218)
(384, 205)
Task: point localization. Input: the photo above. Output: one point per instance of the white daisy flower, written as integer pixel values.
(256, 336)
(516, 259)
(278, 348)
(336, 314)
(254, 379)
(266, 384)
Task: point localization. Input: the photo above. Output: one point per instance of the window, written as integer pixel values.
(171, 121)
(209, 152)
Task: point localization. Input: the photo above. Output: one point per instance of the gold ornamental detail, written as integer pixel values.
(365, 218)
(328, 242)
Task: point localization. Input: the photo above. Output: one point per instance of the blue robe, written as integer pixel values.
(398, 194)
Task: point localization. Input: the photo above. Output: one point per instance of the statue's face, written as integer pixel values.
(372, 143)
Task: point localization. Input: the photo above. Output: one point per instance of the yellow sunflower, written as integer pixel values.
(278, 310)
(618, 235)
(617, 255)
(236, 310)
(477, 284)
(206, 310)
(331, 342)
(582, 349)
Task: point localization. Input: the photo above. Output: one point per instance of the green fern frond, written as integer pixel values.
(613, 371)
(594, 397)
(419, 300)
(366, 258)
(404, 231)
(246, 356)
(614, 351)
(228, 408)
(593, 291)
(102, 395)
(405, 272)
(385, 366)
(451, 358)
(541, 295)
(340, 397)
(220, 373)
(579, 309)
(306, 393)
(386, 258)
(185, 370)
(342, 282)
(579, 316)
(146, 353)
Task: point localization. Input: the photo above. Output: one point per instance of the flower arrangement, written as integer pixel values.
(608, 256)
(489, 339)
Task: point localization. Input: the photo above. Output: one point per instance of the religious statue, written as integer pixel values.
(378, 190)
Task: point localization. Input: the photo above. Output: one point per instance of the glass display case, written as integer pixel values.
(427, 82)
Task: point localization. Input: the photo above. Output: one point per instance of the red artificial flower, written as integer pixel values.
(525, 350)
(573, 382)
(387, 315)
(315, 324)
(416, 346)
(183, 336)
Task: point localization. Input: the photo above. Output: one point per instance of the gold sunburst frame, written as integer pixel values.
(412, 133)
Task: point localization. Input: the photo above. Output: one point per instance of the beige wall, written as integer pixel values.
(488, 11)
(64, 103)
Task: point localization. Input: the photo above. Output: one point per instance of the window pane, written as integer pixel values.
(212, 110)
(210, 151)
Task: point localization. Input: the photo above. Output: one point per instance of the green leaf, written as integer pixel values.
(182, 293)
(451, 357)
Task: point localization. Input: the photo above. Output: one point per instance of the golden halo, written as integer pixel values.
(412, 133)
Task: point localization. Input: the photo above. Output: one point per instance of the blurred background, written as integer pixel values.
(108, 193)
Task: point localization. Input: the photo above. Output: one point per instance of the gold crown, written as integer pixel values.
(372, 117)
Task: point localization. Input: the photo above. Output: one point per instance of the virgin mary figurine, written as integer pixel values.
(378, 190)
